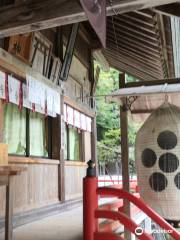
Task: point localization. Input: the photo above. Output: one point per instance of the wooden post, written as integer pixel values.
(124, 153)
(9, 210)
(57, 149)
(1, 121)
(62, 164)
(94, 143)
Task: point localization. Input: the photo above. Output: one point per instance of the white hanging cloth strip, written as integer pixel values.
(88, 124)
(36, 91)
(77, 119)
(46, 99)
(2, 85)
(50, 102)
(57, 104)
(26, 102)
(83, 122)
(70, 115)
(41, 110)
(34, 95)
(13, 90)
(65, 113)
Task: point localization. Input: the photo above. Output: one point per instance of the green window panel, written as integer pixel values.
(38, 143)
(14, 130)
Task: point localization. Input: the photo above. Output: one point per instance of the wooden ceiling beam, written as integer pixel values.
(140, 18)
(135, 23)
(128, 34)
(131, 72)
(136, 65)
(153, 82)
(159, 26)
(154, 67)
(169, 10)
(28, 16)
(133, 41)
(169, 45)
(134, 55)
(119, 46)
(148, 13)
(136, 27)
(141, 48)
(122, 43)
(134, 30)
(145, 73)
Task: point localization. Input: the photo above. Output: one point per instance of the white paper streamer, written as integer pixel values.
(65, 113)
(36, 91)
(26, 102)
(88, 124)
(2, 85)
(43, 96)
(77, 119)
(57, 100)
(13, 88)
(70, 115)
(83, 122)
(50, 100)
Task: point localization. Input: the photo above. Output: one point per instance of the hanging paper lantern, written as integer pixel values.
(158, 161)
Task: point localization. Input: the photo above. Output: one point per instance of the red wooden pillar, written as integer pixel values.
(90, 204)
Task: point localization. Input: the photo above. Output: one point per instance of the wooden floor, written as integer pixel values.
(65, 226)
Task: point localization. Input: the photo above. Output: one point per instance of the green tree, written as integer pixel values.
(108, 122)
(107, 114)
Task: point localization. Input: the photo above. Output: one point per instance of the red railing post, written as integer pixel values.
(90, 204)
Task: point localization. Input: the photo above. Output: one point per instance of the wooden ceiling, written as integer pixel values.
(21, 16)
(138, 35)
(139, 43)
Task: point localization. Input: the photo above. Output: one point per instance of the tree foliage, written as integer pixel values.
(107, 117)
(108, 122)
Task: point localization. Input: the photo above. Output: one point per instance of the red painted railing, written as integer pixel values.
(92, 213)
(107, 236)
(127, 222)
(119, 183)
(115, 180)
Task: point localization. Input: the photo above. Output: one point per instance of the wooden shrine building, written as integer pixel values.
(48, 80)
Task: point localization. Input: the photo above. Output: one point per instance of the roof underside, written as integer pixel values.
(140, 43)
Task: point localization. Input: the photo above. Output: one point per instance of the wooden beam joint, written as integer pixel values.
(43, 14)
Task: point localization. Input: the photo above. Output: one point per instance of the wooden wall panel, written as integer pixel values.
(80, 76)
(2, 199)
(37, 187)
(87, 146)
(73, 180)
(1, 121)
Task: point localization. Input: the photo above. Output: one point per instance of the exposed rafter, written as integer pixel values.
(136, 65)
(36, 15)
(169, 10)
